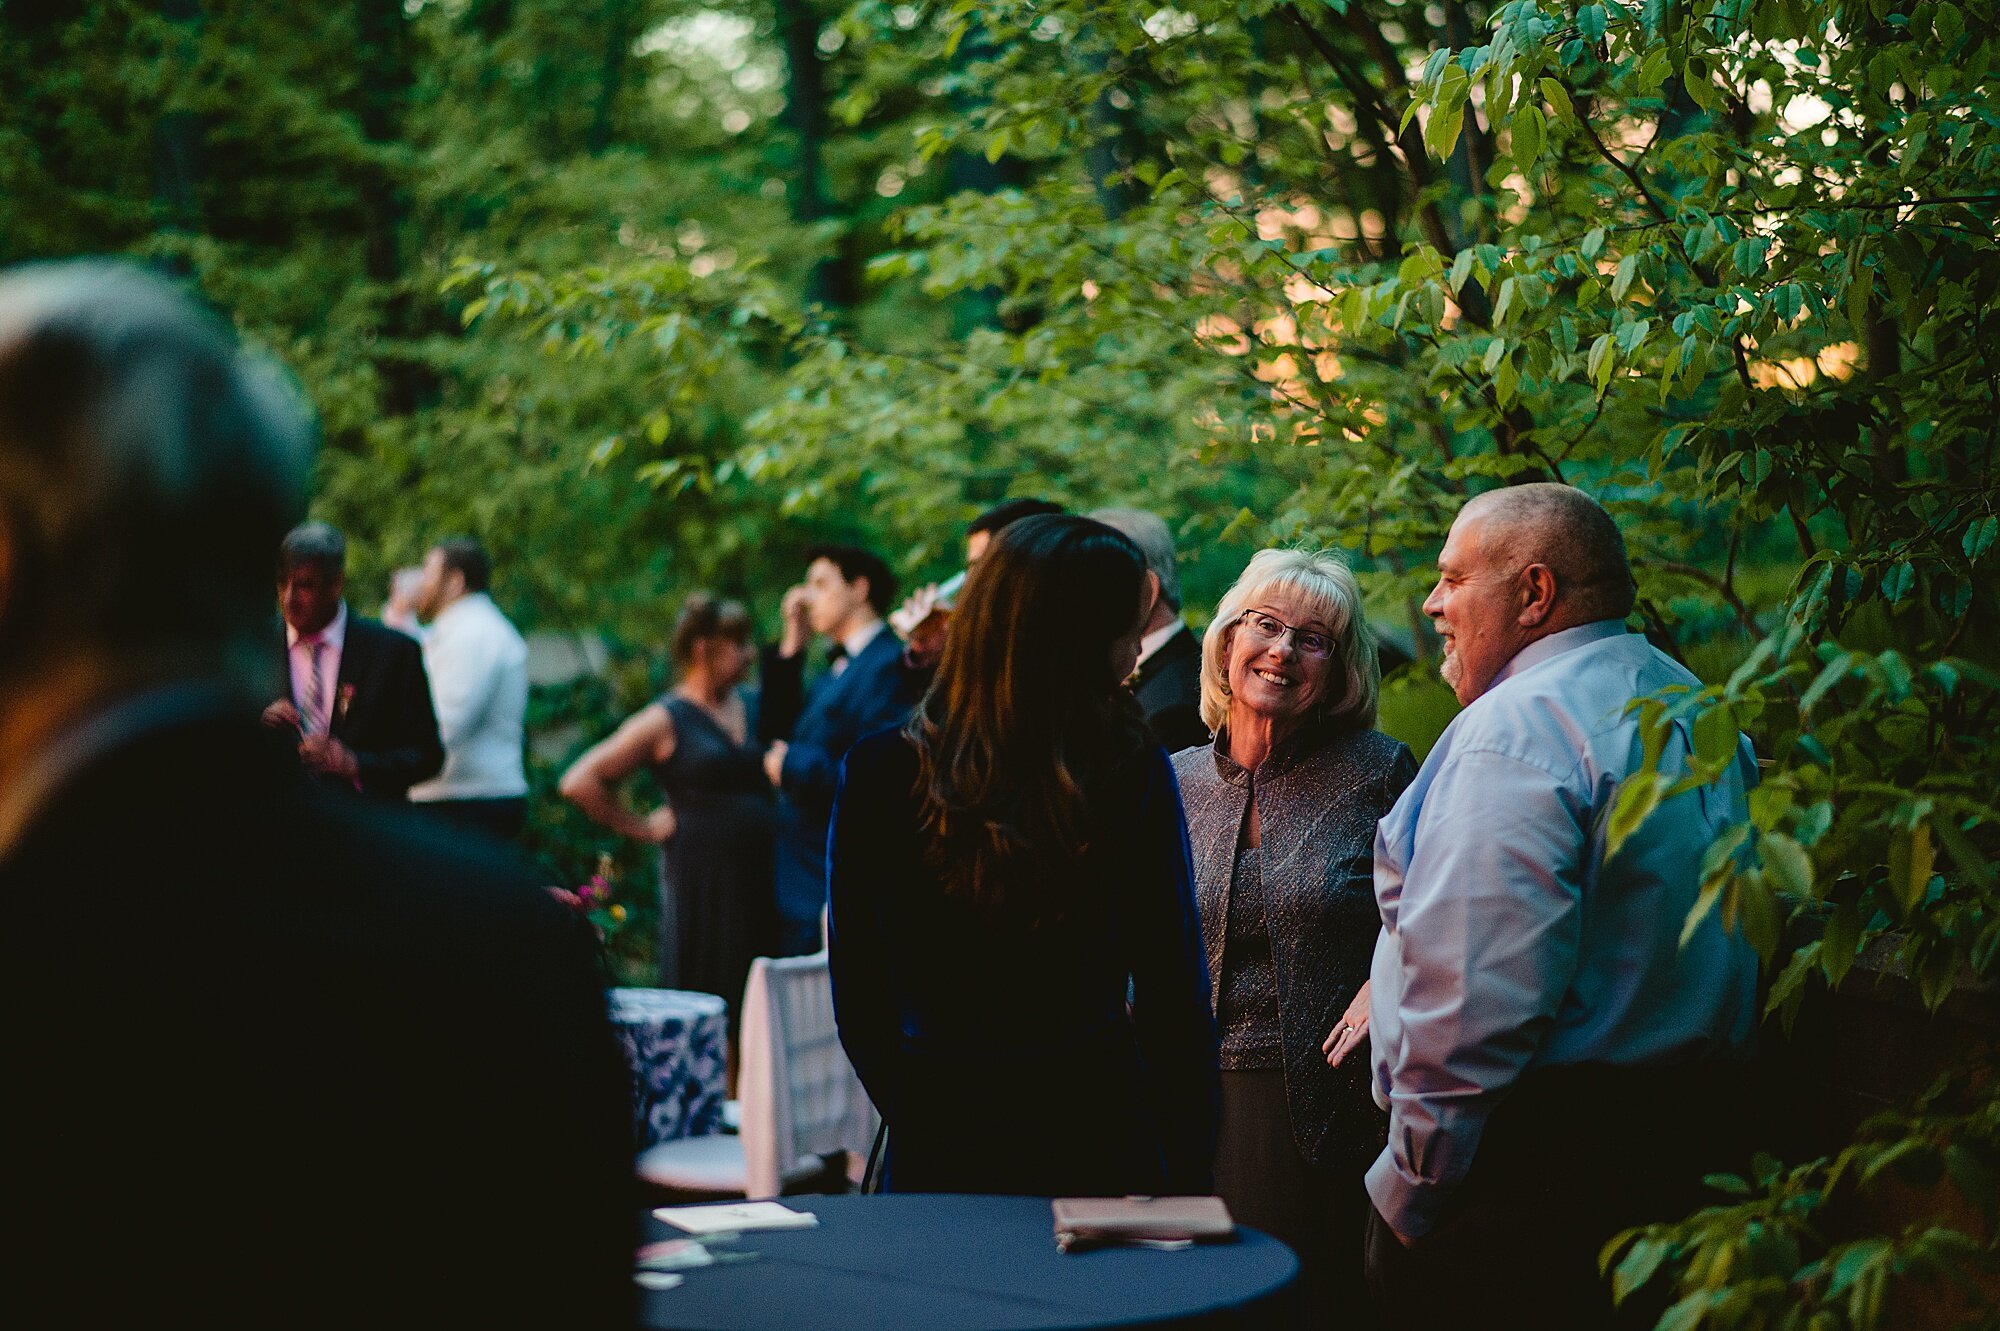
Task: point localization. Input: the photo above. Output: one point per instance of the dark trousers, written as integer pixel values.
(1569, 1159)
(1318, 1213)
(501, 819)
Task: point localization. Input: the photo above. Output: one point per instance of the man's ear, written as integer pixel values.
(1152, 595)
(1538, 595)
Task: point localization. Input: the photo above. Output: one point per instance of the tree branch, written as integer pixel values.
(1720, 586)
(1409, 144)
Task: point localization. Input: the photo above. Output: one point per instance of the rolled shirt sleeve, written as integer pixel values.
(1473, 965)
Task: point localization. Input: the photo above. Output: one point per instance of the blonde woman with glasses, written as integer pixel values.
(1281, 811)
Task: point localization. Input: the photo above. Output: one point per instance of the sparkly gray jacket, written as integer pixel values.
(1319, 796)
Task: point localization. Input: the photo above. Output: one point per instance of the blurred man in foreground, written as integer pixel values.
(278, 1056)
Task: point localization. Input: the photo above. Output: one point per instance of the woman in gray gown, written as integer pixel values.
(715, 828)
(1281, 813)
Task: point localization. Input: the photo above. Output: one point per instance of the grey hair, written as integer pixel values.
(1568, 531)
(1333, 597)
(313, 543)
(1149, 532)
(147, 467)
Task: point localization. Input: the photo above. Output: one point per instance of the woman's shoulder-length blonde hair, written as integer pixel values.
(1333, 597)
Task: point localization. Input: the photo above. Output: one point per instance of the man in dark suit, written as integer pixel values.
(359, 700)
(1167, 683)
(276, 1056)
(843, 598)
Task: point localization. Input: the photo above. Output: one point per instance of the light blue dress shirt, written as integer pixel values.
(1507, 943)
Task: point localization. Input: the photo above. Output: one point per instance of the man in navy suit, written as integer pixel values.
(845, 594)
(359, 701)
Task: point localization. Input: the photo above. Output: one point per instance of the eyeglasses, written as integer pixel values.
(1267, 629)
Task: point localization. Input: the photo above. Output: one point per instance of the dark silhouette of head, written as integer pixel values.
(979, 533)
(148, 468)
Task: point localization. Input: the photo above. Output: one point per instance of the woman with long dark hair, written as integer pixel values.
(1017, 963)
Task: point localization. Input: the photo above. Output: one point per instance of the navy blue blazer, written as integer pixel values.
(820, 724)
(1005, 1057)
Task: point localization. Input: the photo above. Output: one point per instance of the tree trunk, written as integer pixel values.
(177, 135)
(1117, 140)
(383, 57)
(384, 60)
(972, 171)
(832, 281)
(1473, 153)
(618, 36)
(1113, 148)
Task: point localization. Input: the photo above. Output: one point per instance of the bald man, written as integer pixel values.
(1550, 1052)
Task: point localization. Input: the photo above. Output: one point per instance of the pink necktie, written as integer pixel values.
(314, 700)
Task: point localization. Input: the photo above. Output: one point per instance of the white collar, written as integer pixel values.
(857, 642)
(1555, 644)
(1157, 639)
(333, 635)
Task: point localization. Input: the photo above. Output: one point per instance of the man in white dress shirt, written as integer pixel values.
(1558, 1060)
(478, 664)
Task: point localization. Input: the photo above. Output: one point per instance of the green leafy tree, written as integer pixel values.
(1729, 266)
(651, 293)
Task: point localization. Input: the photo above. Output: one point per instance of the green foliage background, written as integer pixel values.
(651, 294)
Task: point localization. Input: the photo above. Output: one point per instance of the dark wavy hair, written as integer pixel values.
(1023, 723)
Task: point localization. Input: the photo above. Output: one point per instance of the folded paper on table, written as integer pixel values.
(734, 1217)
(1087, 1222)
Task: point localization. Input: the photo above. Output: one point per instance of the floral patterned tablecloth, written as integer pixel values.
(676, 1043)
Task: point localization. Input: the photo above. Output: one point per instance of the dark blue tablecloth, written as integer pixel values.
(953, 1263)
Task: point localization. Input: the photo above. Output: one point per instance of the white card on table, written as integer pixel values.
(734, 1217)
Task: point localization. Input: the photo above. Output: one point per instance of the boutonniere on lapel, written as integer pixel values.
(340, 703)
